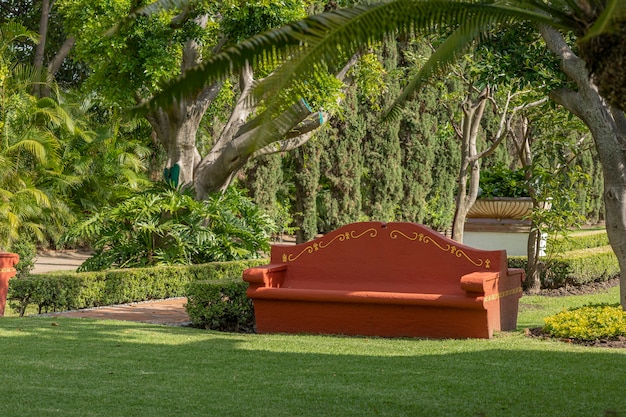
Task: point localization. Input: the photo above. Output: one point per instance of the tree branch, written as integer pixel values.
(63, 52)
(572, 65)
(284, 145)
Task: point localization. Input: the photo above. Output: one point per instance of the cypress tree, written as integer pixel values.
(381, 183)
(305, 173)
(264, 180)
(341, 167)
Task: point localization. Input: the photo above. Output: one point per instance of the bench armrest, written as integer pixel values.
(493, 285)
(478, 282)
(272, 275)
(518, 273)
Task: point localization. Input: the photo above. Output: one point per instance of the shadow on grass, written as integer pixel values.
(65, 367)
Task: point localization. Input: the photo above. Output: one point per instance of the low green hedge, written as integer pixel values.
(61, 291)
(574, 267)
(577, 241)
(220, 305)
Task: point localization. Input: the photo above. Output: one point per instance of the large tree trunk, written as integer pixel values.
(608, 127)
(244, 136)
(176, 130)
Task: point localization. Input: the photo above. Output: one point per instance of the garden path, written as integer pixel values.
(169, 312)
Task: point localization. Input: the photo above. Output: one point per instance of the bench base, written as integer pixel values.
(360, 319)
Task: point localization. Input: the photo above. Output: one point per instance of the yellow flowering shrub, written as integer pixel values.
(587, 323)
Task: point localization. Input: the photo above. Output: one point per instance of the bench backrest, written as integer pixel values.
(374, 256)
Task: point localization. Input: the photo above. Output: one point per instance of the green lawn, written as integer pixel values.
(74, 367)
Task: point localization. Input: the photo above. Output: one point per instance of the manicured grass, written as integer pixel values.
(534, 308)
(74, 367)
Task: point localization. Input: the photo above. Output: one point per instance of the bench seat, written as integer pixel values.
(385, 286)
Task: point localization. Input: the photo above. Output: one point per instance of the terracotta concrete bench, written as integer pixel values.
(394, 279)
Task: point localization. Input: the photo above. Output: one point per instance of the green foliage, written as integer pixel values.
(499, 181)
(577, 241)
(220, 305)
(580, 267)
(590, 322)
(30, 144)
(575, 267)
(163, 226)
(591, 193)
(243, 18)
(132, 61)
(430, 156)
(369, 74)
(70, 290)
(381, 181)
(341, 166)
(264, 180)
(28, 253)
(304, 168)
(516, 57)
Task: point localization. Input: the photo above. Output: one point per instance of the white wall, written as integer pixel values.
(515, 243)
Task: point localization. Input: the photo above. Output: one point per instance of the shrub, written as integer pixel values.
(591, 239)
(574, 267)
(71, 290)
(499, 181)
(164, 226)
(27, 252)
(220, 305)
(587, 323)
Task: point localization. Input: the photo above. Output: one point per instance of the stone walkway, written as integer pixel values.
(169, 312)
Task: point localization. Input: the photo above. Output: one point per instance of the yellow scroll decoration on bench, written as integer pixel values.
(317, 245)
(459, 253)
(503, 294)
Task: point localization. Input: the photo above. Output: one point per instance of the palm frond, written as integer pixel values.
(444, 56)
(24, 76)
(40, 143)
(330, 39)
(12, 31)
(613, 14)
(55, 114)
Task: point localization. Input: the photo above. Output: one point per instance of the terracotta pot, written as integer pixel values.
(501, 208)
(7, 271)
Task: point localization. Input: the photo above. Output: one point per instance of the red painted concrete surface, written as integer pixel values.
(7, 271)
(391, 280)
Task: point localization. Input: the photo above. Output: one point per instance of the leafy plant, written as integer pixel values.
(28, 253)
(164, 226)
(589, 322)
(220, 305)
(499, 181)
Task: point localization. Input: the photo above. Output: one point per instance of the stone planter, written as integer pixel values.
(501, 223)
(7, 271)
(499, 208)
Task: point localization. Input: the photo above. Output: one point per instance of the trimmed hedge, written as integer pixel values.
(574, 267)
(220, 305)
(61, 291)
(577, 241)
